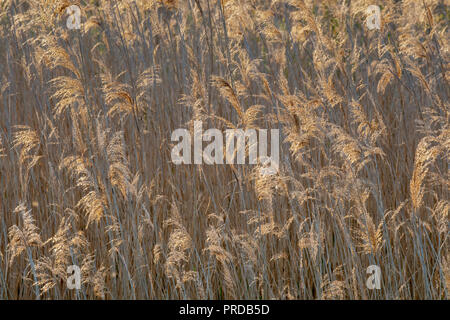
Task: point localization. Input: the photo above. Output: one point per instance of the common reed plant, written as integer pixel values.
(86, 176)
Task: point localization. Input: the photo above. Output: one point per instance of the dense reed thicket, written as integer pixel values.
(86, 176)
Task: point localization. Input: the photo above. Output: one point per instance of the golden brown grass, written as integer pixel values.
(86, 176)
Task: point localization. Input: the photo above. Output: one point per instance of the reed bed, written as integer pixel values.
(86, 176)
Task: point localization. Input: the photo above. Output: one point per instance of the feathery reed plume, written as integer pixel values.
(87, 116)
(26, 140)
(426, 153)
(23, 239)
